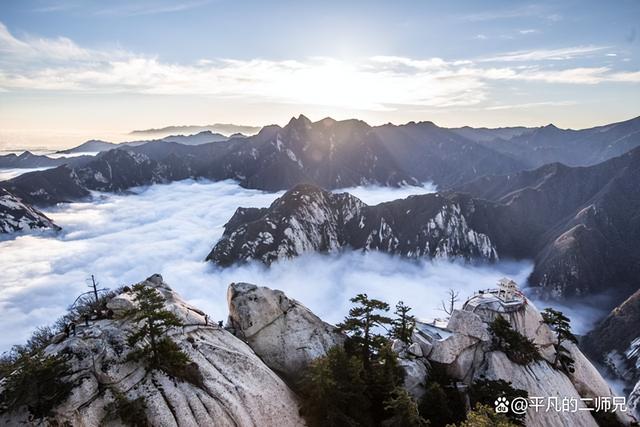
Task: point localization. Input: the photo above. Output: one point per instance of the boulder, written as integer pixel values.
(468, 323)
(415, 366)
(121, 304)
(283, 332)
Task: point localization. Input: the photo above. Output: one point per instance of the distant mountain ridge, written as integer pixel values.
(328, 153)
(94, 145)
(223, 128)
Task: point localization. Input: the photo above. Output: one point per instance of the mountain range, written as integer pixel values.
(337, 154)
(568, 200)
(578, 224)
(223, 128)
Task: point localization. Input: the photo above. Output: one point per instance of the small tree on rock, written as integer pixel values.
(403, 324)
(561, 325)
(517, 347)
(157, 321)
(361, 324)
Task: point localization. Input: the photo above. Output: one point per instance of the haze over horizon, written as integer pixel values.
(71, 71)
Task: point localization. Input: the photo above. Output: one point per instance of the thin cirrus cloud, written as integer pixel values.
(151, 8)
(378, 83)
(546, 54)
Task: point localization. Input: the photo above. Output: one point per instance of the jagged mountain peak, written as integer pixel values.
(301, 120)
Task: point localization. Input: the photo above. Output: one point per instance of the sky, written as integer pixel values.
(72, 70)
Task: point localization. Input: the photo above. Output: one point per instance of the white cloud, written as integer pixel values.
(169, 229)
(528, 31)
(545, 54)
(378, 83)
(531, 105)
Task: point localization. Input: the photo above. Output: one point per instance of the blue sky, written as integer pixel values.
(77, 68)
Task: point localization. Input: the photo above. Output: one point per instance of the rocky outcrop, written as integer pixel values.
(464, 348)
(415, 366)
(309, 219)
(283, 332)
(16, 215)
(237, 388)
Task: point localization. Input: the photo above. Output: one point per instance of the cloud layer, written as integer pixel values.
(376, 83)
(169, 229)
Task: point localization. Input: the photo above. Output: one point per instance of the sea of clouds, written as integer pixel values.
(170, 229)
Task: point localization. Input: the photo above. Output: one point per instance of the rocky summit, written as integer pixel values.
(236, 387)
(308, 219)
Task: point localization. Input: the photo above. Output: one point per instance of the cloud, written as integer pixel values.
(151, 8)
(169, 229)
(378, 83)
(531, 105)
(528, 11)
(545, 54)
(528, 31)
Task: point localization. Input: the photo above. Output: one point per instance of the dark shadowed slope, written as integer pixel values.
(584, 147)
(587, 222)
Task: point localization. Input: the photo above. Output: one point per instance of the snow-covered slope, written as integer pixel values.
(16, 215)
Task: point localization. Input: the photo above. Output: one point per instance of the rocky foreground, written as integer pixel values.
(270, 337)
(237, 388)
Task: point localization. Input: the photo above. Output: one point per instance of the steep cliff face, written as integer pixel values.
(309, 219)
(237, 388)
(15, 215)
(616, 343)
(283, 332)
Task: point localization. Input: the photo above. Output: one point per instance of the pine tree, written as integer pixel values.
(361, 324)
(560, 323)
(404, 408)
(157, 321)
(517, 347)
(333, 392)
(403, 324)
